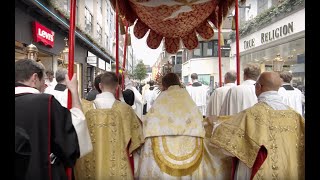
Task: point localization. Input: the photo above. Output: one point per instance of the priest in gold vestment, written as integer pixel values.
(175, 145)
(266, 140)
(116, 133)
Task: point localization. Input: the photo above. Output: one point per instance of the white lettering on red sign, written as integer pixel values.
(43, 34)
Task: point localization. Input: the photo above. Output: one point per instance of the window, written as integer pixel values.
(207, 48)
(88, 21)
(210, 49)
(173, 60)
(197, 51)
(242, 14)
(215, 48)
(262, 6)
(99, 33)
(100, 4)
(107, 42)
(179, 58)
(66, 5)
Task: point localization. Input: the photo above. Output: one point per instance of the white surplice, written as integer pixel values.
(292, 98)
(217, 98)
(61, 96)
(200, 95)
(149, 97)
(138, 99)
(239, 98)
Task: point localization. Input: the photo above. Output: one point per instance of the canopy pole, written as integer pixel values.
(219, 54)
(117, 46)
(125, 52)
(237, 42)
(71, 60)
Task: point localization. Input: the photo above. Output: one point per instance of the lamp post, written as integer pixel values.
(32, 52)
(64, 59)
(277, 63)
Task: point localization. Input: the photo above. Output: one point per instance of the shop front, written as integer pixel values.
(48, 38)
(285, 38)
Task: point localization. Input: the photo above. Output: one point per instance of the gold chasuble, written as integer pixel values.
(175, 147)
(111, 131)
(281, 132)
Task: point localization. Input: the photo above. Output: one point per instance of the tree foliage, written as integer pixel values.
(140, 71)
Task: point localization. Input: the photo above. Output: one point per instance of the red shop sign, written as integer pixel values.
(43, 34)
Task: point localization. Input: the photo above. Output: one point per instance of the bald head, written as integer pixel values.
(268, 81)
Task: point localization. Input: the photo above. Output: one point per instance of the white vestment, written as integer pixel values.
(239, 98)
(149, 97)
(138, 99)
(51, 84)
(78, 121)
(292, 98)
(274, 100)
(174, 142)
(61, 96)
(200, 95)
(217, 98)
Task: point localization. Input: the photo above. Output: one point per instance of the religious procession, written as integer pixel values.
(224, 99)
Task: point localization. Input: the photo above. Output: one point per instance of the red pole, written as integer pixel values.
(237, 42)
(71, 59)
(117, 46)
(125, 52)
(219, 54)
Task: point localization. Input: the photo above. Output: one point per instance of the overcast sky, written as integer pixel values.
(142, 51)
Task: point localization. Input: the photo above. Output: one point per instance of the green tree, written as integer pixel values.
(140, 71)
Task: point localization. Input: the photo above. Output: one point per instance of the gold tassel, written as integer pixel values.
(221, 38)
(129, 39)
(122, 30)
(233, 27)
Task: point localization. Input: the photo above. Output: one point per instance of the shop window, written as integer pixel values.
(88, 20)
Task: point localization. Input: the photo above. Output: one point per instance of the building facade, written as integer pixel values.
(94, 36)
(269, 28)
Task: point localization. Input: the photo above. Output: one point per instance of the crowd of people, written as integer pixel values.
(166, 130)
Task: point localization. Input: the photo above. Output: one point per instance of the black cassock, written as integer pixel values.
(41, 123)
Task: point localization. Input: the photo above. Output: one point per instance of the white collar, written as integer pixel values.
(269, 95)
(105, 95)
(249, 81)
(23, 89)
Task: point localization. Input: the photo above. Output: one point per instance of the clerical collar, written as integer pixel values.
(196, 84)
(26, 89)
(287, 86)
(60, 87)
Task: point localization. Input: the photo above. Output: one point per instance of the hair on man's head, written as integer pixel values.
(61, 74)
(194, 76)
(109, 79)
(96, 82)
(170, 79)
(252, 71)
(286, 76)
(25, 68)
